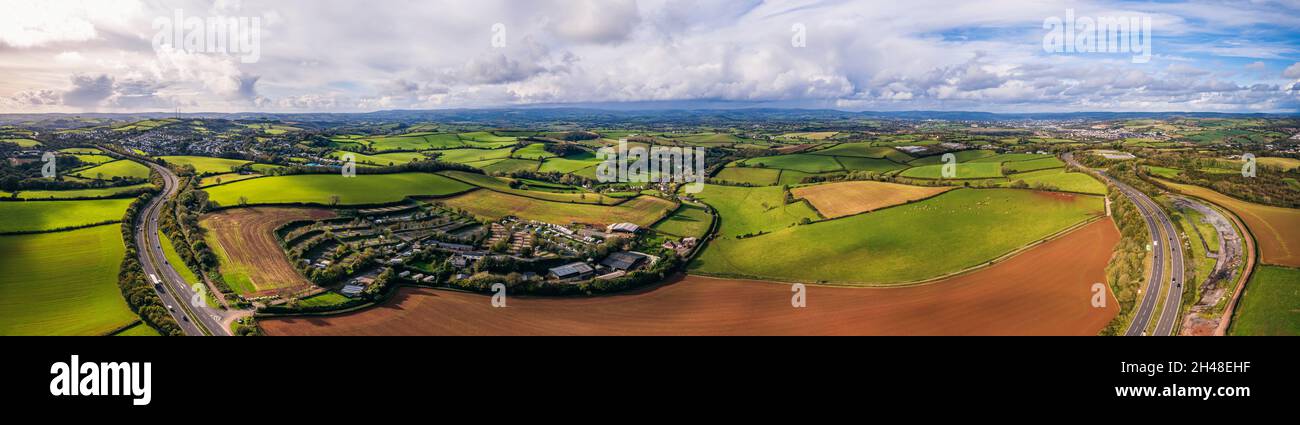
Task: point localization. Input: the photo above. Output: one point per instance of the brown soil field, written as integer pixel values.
(1044, 291)
(642, 210)
(841, 199)
(246, 235)
(1276, 229)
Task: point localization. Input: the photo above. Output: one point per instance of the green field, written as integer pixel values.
(1060, 180)
(852, 163)
(746, 210)
(798, 162)
(324, 300)
(91, 159)
(687, 221)
(503, 185)
(1269, 305)
(750, 175)
(1032, 165)
(318, 188)
(510, 165)
(26, 143)
(80, 193)
(958, 230)
(381, 159)
(533, 151)
(62, 283)
(140, 329)
(962, 157)
(205, 165)
(175, 260)
(966, 170)
(569, 164)
(462, 156)
(1164, 172)
(864, 150)
(120, 168)
(32, 216)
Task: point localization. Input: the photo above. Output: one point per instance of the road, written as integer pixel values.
(1167, 245)
(175, 292)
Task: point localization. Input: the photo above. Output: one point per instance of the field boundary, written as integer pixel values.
(622, 200)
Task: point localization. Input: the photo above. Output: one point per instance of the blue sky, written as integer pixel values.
(345, 56)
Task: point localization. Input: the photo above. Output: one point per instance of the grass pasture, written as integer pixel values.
(34, 216)
(957, 230)
(317, 189)
(1270, 305)
(535, 151)
(464, 156)
(865, 150)
(120, 168)
(204, 165)
(748, 210)
(964, 170)
(799, 162)
(750, 175)
(62, 283)
(1060, 179)
(503, 185)
(1032, 165)
(688, 221)
(79, 193)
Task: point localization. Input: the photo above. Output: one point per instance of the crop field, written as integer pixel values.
(120, 168)
(62, 283)
(1034, 293)
(1271, 303)
(688, 221)
(798, 162)
(534, 151)
(252, 261)
(462, 156)
(746, 210)
(318, 189)
(1283, 163)
(834, 200)
(30, 216)
(1060, 179)
(963, 228)
(205, 165)
(965, 170)
(80, 193)
(1276, 229)
(641, 210)
(865, 150)
(499, 185)
(750, 175)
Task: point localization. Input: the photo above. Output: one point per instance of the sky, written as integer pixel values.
(358, 56)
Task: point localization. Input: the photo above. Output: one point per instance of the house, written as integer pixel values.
(404, 274)
(622, 228)
(622, 261)
(577, 270)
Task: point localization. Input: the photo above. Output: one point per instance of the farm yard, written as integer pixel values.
(67, 284)
(1034, 293)
(318, 189)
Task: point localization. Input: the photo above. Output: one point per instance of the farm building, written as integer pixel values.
(623, 261)
(571, 271)
(622, 228)
(352, 290)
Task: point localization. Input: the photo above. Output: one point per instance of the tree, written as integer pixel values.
(334, 200)
(243, 201)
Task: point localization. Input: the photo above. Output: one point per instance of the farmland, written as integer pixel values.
(642, 210)
(80, 193)
(501, 185)
(1276, 229)
(1269, 305)
(205, 165)
(847, 198)
(748, 175)
(968, 170)
(797, 162)
(381, 159)
(120, 168)
(67, 284)
(1060, 179)
(252, 261)
(985, 223)
(1034, 293)
(319, 188)
(752, 210)
(688, 221)
(33, 216)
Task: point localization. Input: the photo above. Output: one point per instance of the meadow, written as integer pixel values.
(798, 162)
(957, 230)
(120, 168)
(62, 283)
(381, 159)
(1268, 307)
(503, 185)
(462, 156)
(31, 216)
(319, 188)
(865, 150)
(749, 175)
(963, 170)
(80, 193)
(1060, 179)
(746, 210)
(204, 165)
(688, 221)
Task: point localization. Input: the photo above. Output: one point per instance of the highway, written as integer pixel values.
(175, 292)
(1167, 243)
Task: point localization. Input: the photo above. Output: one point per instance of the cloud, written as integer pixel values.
(1292, 71)
(88, 91)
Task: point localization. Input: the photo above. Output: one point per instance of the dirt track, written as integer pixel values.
(1045, 290)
